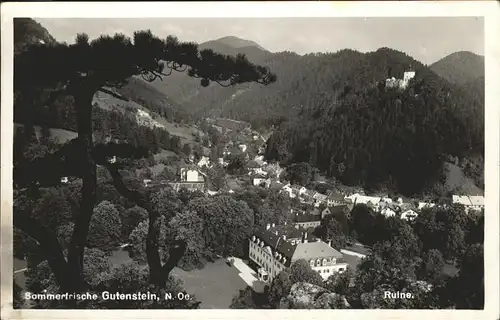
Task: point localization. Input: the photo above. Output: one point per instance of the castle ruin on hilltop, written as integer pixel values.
(392, 82)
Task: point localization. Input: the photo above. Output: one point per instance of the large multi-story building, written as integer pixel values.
(275, 248)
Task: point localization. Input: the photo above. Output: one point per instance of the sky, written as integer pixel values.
(426, 39)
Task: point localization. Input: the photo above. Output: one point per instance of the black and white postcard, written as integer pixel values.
(200, 160)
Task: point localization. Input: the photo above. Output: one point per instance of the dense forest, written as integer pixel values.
(387, 138)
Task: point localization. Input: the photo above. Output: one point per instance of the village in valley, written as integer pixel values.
(274, 247)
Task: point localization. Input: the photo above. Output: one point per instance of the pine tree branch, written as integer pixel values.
(114, 94)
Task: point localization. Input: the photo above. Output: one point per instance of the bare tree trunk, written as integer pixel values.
(152, 249)
(83, 100)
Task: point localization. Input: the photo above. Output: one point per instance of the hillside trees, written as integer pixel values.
(377, 137)
(227, 224)
(80, 70)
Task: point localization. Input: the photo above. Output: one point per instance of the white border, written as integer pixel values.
(487, 9)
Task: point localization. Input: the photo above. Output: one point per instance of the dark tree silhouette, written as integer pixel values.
(45, 72)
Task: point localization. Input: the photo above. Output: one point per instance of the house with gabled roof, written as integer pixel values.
(306, 220)
(475, 203)
(275, 248)
(319, 198)
(191, 178)
(260, 180)
(409, 215)
(204, 161)
(298, 190)
(335, 199)
(255, 168)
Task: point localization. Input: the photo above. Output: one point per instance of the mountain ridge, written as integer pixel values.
(236, 42)
(460, 67)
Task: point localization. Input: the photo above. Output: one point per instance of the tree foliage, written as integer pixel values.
(352, 137)
(227, 224)
(105, 227)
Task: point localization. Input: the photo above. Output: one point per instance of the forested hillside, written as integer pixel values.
(304, 82)
(147, 96)
(387, 138)
(460, 67)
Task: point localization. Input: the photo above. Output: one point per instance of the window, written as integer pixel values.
(341, 269)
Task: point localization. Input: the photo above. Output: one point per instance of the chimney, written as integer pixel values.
(274, 225)
(268, 226)
(330, 243)
(305, 238)
(284, 237)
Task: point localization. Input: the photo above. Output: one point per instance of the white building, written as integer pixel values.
(275, 248)
(469, 202)
(294, 190)
(425, 205)
(400, 83)
(319, 198)
(408, 75)
(222, 162)
(288, 189)
(386, 200)
(299, 190)
(409, 215)
(204, 161)
(242, 147)
(367, 200)
(143, 118)
(388, 212)
(261, 180)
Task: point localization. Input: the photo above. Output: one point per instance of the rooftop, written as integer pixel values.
(319, 196)
(313, 250)
(302, 218)
(310, 193)
(336, 196)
